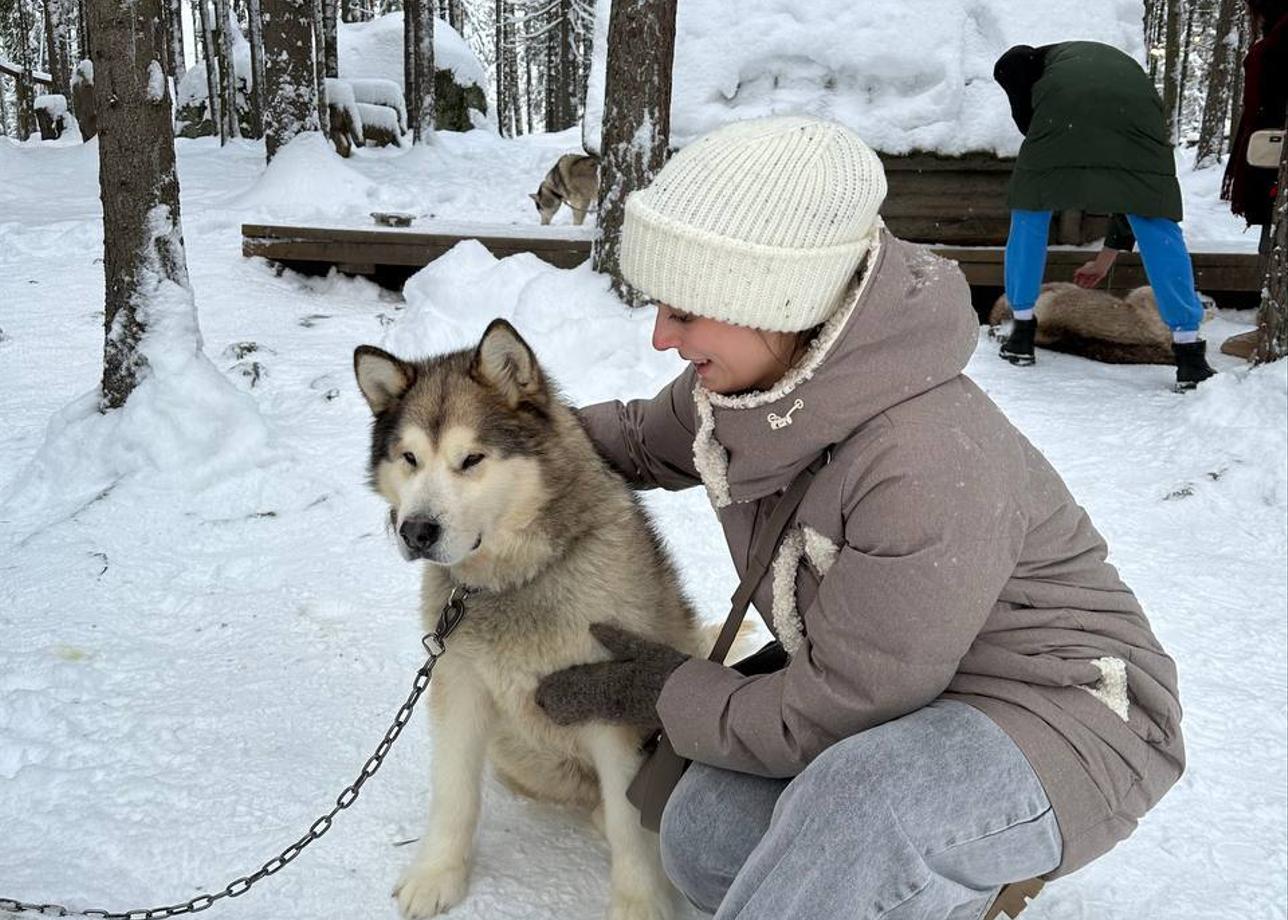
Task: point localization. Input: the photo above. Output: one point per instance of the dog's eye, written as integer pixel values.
(410, 458)
(471, 460)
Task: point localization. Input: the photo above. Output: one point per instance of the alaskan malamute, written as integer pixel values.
(494, 484)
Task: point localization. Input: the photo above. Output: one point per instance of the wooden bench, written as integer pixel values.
(368, 251)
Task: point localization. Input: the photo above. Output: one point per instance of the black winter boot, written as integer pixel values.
(1191, 364)
(1018, 346)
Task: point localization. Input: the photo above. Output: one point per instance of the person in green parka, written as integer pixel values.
(1095, 139)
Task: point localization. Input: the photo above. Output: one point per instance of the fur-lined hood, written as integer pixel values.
(904, 328)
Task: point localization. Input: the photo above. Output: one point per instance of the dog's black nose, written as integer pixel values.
(420, 533)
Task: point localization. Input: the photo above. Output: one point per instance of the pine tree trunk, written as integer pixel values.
(1244, 29)
(290, 94)
(424, 64)
(212, 70)
(456, 15)
(502, 109)
(1171, 67)
(411, 87)
(319, 66)
(637, 116)
(567, 65)
(143, 259)
(256, 24)
(60, 68)
(227, 69)
(1272, 317)
(329, 13)
(530, 86)
(24, 87)
(86, 42)
(72, 29)
(1185, 66)
(178, 66)
(1152, 20)
(4, 114)
(512, 69)
(1217, 103)
(550, 44)
(583, 65)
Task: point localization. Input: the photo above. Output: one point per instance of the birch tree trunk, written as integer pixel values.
(256, 23)
(1272, 317)
(212, 70)
(290, 93)
(1216, 105)
(637, 116)
(423, 55)
(227, 69)
(144, 265)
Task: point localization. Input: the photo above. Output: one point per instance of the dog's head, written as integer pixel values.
(546, 201)
(458, 442)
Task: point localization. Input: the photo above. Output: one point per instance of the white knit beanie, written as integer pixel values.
(760, 223)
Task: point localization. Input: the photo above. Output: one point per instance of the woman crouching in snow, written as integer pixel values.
(973, 697)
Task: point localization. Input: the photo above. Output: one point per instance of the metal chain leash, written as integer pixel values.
(452, 613)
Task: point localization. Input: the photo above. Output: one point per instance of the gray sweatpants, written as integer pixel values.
(924, 817)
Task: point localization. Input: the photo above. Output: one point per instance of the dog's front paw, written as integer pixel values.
(658, 905)
(429, 888)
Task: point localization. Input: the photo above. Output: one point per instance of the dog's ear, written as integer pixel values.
(535, 197)
(504, 362)
(382, 378)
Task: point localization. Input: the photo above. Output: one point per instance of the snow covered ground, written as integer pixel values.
(193, 664)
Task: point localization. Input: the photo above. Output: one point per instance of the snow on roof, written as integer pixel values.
(375, 49)
(908, 76)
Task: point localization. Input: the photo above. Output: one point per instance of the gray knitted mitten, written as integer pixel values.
(625, 689)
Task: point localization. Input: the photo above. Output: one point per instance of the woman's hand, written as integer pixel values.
(625, 689)
(1093, 272)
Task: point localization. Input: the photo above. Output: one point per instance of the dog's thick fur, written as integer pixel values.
(493, 482)
(574, 181)
(1097, 325)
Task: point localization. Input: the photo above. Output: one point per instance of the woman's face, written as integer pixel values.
(728, 358)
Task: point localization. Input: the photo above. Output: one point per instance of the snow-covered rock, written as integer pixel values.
(375, 49)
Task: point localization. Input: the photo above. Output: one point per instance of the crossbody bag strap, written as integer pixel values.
(762, 555)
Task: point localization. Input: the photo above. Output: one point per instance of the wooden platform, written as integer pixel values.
(369, 251)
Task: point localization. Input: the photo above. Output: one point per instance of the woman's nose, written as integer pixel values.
(664, 335)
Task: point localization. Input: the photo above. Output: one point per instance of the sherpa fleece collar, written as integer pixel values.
(902, 330)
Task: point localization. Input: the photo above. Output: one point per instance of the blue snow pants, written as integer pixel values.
(1162, 249)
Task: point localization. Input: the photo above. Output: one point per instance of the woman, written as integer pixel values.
(1095, 139)
(1251, 191)
(973, 697)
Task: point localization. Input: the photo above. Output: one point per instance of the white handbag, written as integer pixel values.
(1265, 148)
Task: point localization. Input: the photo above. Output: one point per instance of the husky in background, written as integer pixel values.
(493, 483)
(1097, 325)
(574, 181)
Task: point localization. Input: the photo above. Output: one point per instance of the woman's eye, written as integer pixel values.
(410, 458)
(471, 460)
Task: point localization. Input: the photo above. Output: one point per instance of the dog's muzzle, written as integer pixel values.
(419, 535)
